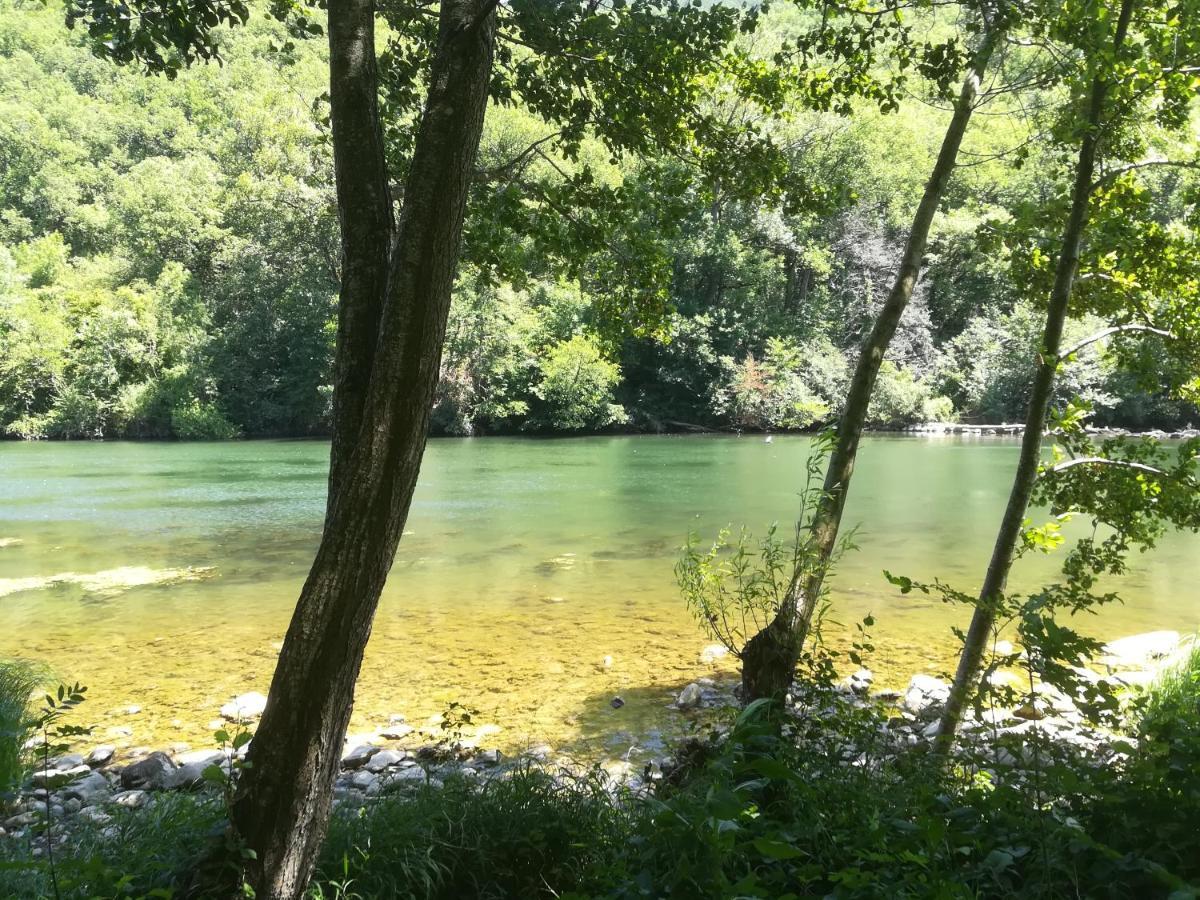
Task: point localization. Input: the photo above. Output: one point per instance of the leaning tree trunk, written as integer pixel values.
(1050, 356)
(770, 656)
(394, 303)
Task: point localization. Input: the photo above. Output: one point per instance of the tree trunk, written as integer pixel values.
(394, 304)
(1039, 404)
(769, 657)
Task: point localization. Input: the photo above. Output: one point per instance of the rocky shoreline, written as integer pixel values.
(89, 789)
(1006, 428)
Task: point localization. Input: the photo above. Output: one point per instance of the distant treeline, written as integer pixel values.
(169, 269)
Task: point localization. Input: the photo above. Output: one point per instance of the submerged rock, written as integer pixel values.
(247, 706)
(713, 652)
(1139, 650)
(690, 697)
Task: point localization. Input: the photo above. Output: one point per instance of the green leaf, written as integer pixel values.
(776, 849)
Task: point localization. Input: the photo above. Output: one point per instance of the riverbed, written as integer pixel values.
(163, 575)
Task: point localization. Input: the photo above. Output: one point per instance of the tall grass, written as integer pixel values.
(1176, 692)
(18, 679)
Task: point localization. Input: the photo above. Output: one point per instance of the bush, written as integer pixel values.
(576, 389)
(791, 386)
(938, 409)
(18, 680)
(1152, 806)
(898, 398)
(199, 421)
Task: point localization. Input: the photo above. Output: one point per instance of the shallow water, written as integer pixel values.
(163, 575)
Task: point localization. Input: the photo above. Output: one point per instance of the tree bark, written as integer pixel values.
(392, 321)
(770, 656)
(1009, 534)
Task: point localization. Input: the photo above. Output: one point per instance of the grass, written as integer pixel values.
(18, 680)
(1176, 692)
(530, 834)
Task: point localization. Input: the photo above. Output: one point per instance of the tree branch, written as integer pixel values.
(1104, 461)
(1107, 332)
(1109, 177)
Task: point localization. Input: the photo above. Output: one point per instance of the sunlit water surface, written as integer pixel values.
(525, 563)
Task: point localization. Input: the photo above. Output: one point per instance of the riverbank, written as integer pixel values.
(85, 788)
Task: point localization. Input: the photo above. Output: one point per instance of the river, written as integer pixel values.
(524, 564)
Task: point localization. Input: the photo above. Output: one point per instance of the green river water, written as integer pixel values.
(163, 575)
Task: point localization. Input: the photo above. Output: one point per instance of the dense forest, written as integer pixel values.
(169, 263)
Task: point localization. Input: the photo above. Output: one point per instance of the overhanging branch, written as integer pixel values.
(1108, 332)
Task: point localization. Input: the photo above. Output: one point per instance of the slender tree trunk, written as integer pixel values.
(769, 657)
(1065, 271)
(394, 304)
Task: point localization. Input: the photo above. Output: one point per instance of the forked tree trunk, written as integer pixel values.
(1050, 356)
(770, 656)
(392, 320)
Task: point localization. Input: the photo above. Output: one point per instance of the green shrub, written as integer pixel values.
(198, 421)
(576, 390)
(938, 409)
(1151, 805)
(18, 680)
(898, 398)
(790, 386)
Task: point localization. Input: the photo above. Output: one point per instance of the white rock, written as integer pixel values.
(396, 732)
(131, 799)
(713, 652)
(191, 775)
(1000, 678)
(101, 756)
(200, 757)
(1139, 678)
(381, 760)
(151, 774)
(364, 779)
(925, 694)
(860, 682)
(89, 788)
(689, 697)
(69, 761)
(53, 778)
(355, 758)
(403, 777)
(1139, 650)
(247, 706)
(95, 815)
(486, 758)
